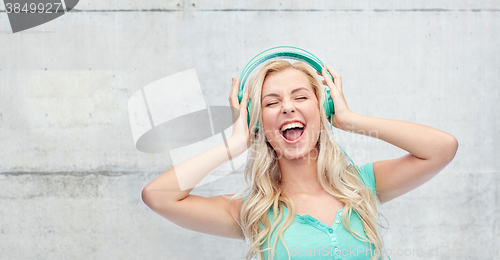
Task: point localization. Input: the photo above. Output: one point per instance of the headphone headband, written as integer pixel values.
(295, 54)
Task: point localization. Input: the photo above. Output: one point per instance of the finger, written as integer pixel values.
(243, 107)
(328, 80)
(244, 100)
(333, 72)
(237, 90)
(233, 96)
(231, 90)
(336, 77)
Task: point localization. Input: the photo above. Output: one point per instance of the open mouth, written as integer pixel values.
(292, 133)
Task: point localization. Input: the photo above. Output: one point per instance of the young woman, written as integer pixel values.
(304, 200)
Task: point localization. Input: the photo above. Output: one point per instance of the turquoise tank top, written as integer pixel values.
(309, 238)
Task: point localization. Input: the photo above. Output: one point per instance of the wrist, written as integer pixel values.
(236, 147)
(348, 121)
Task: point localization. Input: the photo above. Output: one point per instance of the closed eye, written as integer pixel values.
(301, 98)
(271, 104)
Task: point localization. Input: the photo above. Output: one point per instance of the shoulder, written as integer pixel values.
(367, 176)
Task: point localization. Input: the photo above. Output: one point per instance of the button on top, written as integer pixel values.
(330, 230)
(336, 221)
(340, 214)
(334, 239)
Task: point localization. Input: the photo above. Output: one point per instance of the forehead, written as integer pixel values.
(285, 81)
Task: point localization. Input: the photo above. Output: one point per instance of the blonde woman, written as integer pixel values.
(304, 200)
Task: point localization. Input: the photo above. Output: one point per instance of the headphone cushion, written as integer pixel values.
(329, 109)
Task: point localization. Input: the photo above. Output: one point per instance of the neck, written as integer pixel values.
(299, 176)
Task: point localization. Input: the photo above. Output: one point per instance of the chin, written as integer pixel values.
(294, 154)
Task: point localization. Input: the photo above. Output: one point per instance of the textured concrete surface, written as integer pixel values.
(71, 179)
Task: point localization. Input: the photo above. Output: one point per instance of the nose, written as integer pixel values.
(287, 107)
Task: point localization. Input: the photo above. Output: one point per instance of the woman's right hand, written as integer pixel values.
(241, 134)
(168, 195)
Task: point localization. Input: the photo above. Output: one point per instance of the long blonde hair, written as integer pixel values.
(263, 175)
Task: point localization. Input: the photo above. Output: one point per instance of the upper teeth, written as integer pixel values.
(292, 125)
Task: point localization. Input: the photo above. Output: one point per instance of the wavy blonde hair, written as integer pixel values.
(263, 175)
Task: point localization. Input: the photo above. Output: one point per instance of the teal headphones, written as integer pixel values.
(284, 52)
(293, 53)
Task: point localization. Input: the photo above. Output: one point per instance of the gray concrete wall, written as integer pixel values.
(71, 179)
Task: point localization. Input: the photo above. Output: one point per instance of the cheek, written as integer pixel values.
(310, 110)
(272, 136)
(268, 123)
(315, 125)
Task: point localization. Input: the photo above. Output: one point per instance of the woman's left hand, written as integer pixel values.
(342, 111)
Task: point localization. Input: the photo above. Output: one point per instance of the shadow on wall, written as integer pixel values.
(170, 116)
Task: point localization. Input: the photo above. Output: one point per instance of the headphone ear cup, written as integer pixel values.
(248, 115)
(328, 104)
(248, 111)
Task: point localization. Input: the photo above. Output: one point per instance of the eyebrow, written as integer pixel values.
(276, 95)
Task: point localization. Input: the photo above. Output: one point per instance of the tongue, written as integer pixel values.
(293, 134)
